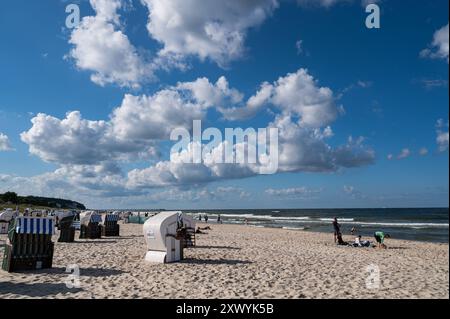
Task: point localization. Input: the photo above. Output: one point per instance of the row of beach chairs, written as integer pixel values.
(29, 243)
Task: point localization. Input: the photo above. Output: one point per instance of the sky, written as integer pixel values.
(87, 110)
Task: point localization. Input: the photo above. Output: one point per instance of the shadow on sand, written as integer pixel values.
(84, 272)
(99, 241)
(218, 247)
(215, 262)
(35, 290)
(397, 248)
(129, 237)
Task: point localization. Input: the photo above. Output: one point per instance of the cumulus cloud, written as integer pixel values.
(304, 149)
(181, 171)
(300, 149)
(144, 118)
(90, 151)
(4, 143)
(133, 128)
(214, 29)
(439, 46)
(101, 47)
(77, 141)
(296, 94)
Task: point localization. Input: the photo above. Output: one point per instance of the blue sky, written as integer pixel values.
(387, 88)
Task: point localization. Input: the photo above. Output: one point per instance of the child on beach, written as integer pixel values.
(379, 237)
(360, 243)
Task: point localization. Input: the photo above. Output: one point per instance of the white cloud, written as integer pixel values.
(439, 46)
(209, 94)
(300, 150)
(153, 117)
(296, 94)
(293, 193)
(4, 143)
(77, 141)
(405, 153)
(99, 46)
(442, 135)
(254, 105)
(304, 149)
(97, 148)
(214, 29)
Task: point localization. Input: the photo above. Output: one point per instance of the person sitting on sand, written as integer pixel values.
(199, 229)
(360, 243)
(337, 229)
(379, 237)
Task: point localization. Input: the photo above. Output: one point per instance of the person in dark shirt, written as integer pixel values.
(337, 229)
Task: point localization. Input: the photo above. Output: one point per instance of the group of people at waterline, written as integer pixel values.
(379, 236)
(358, 242)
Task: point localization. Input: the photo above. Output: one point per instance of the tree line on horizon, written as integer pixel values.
(13, 198)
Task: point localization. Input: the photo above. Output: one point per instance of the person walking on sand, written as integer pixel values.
(337, 229)
(379, 237)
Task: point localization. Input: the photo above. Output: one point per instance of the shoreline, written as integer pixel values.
(239, 261)
(320, 233)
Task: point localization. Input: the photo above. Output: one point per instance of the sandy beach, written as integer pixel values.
(238, 262)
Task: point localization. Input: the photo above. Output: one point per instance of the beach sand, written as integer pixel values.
(238, 262)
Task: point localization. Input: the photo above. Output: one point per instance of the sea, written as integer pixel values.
(419, 224)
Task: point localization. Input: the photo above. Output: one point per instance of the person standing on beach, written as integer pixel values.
(219, 219)
(206, 218)
(337, 229)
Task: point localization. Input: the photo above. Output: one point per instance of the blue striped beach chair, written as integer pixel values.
(29, 245)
